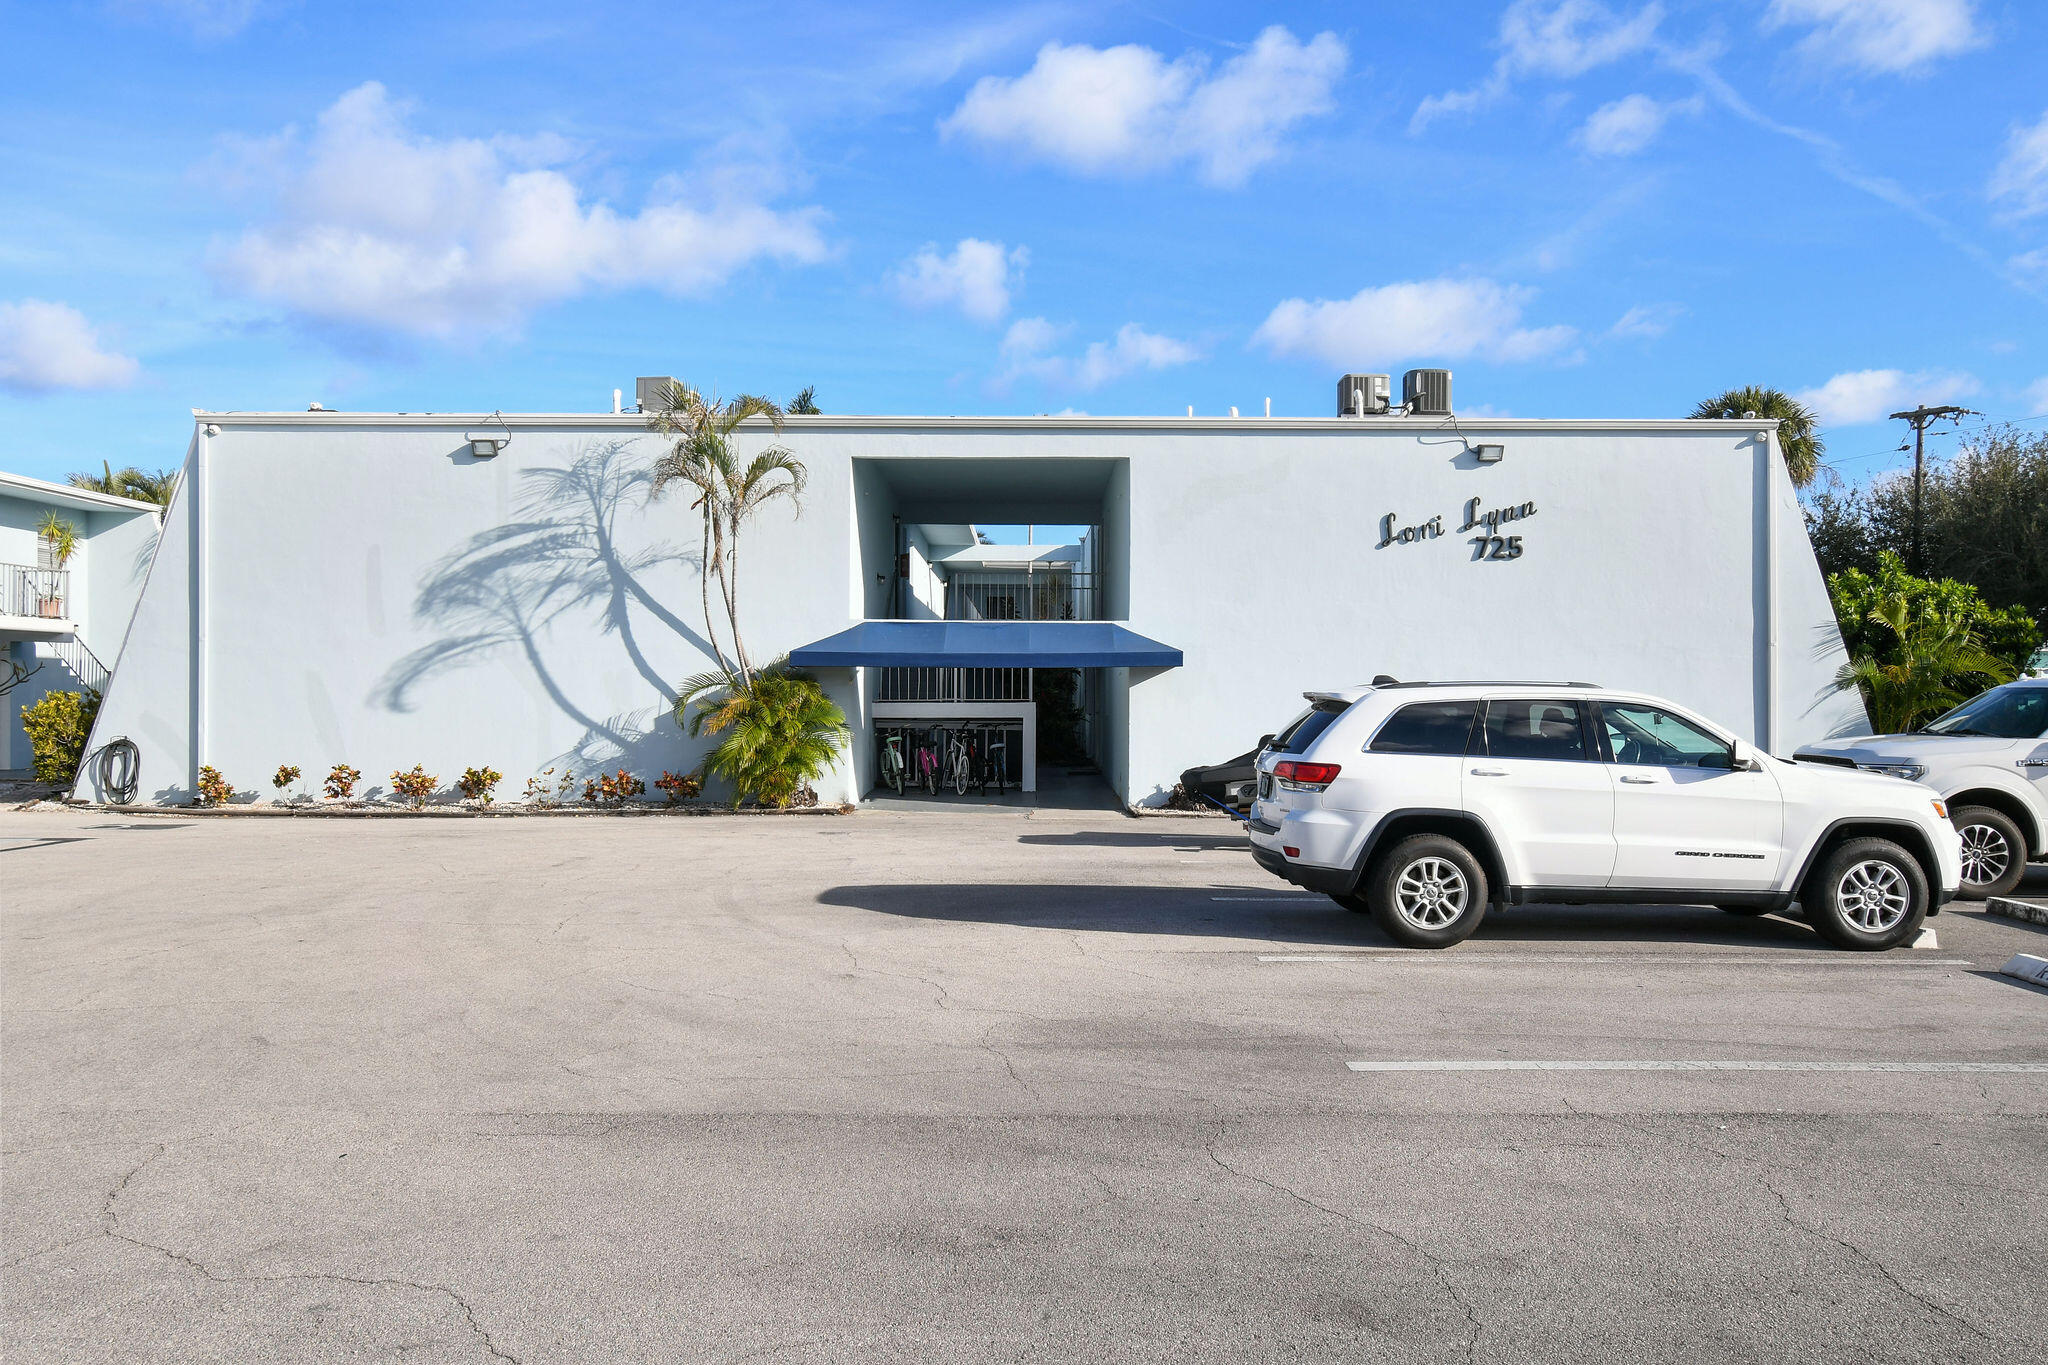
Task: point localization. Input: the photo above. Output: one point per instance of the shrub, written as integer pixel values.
(613, 791)
(476, 784)
(214, 790)
(1919, 646)
(287, 773)
(415, 786)
(341, 782)
(57, 728)
(780, 731)
(680, 787)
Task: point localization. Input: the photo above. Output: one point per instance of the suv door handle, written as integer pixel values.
(1640, 781)
(1489, 772)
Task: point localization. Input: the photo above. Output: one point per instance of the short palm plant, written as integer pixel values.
(1934, 653)
(778, 730)
(1798, 434)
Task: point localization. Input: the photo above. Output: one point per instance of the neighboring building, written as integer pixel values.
(385, 589)
(65, 622)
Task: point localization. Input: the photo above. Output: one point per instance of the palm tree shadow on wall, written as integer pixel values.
(558, 560)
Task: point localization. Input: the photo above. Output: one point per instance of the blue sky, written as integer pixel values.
(1584, 209)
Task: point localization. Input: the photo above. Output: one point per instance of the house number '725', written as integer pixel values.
(1496, 547)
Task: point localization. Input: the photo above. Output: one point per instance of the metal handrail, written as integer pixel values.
(1053, 593)
(85, 665)
(29, 591)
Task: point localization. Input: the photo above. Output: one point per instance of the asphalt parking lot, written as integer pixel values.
(970, 1086)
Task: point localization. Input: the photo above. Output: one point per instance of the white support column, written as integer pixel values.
(202, 478)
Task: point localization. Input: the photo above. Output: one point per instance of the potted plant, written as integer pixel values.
(62, 538)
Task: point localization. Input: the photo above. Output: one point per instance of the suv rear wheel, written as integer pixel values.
(1427, 891)
(1867, 894)
(1994, 852)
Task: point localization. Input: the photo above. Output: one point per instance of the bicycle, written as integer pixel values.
(928, 763)
(892, 761)
(996, 764)
(959, 763)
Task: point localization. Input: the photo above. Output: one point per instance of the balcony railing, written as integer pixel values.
(952, 684)
(1051, 594)
(26, 591)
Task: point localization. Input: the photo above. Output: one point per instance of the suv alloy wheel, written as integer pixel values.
(1428, 891)
(1867, 894)
(1994, 852)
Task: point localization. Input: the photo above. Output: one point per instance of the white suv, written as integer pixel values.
(1989, 760)
(1425, 803)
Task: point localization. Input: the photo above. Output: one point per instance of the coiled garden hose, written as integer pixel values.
(120, 768)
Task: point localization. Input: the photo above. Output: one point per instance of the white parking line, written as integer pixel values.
(1615, 959)
(2027, 1068)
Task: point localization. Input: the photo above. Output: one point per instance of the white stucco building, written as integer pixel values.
(368, 588)
(62, 623)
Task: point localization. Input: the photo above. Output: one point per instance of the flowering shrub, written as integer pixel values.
(415, 786)
(213, 788)
(287, 773)
(476, 783)
(341, 782)
(613, 791)
(680, 787)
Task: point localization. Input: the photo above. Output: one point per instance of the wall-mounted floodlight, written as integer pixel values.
(484, 445)
(1489, 454)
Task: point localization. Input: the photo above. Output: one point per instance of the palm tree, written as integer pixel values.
(1798, 434)
(806, 403)
(780, 731)
(728, 491)
(1940, 664)
(130, 482)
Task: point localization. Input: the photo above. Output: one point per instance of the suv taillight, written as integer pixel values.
(1305, 776)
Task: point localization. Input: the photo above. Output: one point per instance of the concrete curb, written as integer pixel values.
(2028, 968)
(2010, 908)
(369, 812)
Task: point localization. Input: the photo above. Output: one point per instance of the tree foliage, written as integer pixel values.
(778, 730)
(1986, 512)
(57, 728)
(1798, 430)
(805, 404)
(1918, 647)
(130, 482)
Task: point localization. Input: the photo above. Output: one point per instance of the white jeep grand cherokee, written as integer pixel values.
(1425, 803)
(1988, 759)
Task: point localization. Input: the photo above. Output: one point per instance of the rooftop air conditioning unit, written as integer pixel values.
(1427, 393)
(648, 389)
(1363, 395)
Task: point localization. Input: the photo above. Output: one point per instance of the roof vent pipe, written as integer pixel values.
(618, 397)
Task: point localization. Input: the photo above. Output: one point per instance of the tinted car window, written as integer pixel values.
(2007, 712)
(1544, 728)
(1296, 738)
(1645, 736)
(1431, 727)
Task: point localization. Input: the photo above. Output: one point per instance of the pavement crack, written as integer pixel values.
(1940, 1310)
(110, 1227)
(1438, 1265)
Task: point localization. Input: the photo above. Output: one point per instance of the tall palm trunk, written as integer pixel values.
(704, 571)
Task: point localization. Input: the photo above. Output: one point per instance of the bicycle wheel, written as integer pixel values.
(960, 774)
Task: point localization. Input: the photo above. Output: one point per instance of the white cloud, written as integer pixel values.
(1127, 109)
(1445, 319)
(977, 277)
(2021, 179)
(1631, 123)
(1028, 353)
(1885, 36)
(1646, 321)
(2030, 265)
(1862, 396)
(47, 346)
(2037, 397)
(1555, 38)
(380, 227)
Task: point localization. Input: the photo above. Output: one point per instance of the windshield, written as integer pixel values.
(2007, 712)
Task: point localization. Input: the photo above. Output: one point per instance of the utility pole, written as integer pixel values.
(1921, 418)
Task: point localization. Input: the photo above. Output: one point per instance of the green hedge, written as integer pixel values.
(58, 727)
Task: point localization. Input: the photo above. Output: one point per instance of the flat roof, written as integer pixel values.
(66, 495)
(608, 421)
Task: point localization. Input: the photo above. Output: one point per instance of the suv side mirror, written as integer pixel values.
(1723, 759)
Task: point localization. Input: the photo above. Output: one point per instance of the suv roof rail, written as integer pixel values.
(1482, 682)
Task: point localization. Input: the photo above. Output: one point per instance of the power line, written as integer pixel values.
(1920, 419)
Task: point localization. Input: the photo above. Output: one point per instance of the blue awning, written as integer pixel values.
(986, 644)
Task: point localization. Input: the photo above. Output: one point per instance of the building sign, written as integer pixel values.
(1488, 544)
